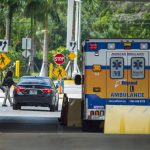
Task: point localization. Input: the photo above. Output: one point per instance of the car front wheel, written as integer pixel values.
(52, 108)
(16, 106)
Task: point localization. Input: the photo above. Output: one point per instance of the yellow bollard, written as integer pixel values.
(149, 126)
(17, 68)
(50, 70)
(122, 125)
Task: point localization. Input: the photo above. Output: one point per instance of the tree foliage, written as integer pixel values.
(99, 19)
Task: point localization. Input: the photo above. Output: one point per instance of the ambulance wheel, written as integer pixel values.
(86, 125)
(93, 126)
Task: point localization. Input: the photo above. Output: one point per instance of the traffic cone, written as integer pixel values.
(60, 87)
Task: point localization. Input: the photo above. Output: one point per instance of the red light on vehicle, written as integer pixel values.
(47, 90)
(92, 46)
(91, 113)
(20, 89)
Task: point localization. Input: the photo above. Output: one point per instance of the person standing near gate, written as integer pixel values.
(7, 83)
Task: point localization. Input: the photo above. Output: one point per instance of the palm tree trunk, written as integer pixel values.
(9, 25)
(44, 69)
(31, 61)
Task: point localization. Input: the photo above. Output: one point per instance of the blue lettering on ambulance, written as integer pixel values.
(127, 94)
(129, 83)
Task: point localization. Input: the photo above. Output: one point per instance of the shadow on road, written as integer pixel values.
(33, 125)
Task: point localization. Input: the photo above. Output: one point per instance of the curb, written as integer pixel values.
(68, 81)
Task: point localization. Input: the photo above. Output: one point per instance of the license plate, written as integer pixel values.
(33, 92)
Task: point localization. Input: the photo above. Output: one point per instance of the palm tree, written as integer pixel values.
(32, 10)
(49, 8)
(11, 6)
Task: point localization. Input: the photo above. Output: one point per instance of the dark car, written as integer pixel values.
(35, 91)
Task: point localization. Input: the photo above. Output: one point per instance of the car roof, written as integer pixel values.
(38, 77)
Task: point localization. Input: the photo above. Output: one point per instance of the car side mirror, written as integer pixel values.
(77, 79)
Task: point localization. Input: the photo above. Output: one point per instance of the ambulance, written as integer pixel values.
(115, 72)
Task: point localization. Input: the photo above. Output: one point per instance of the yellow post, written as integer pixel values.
(122, 125)
(17, 68)
(50, 70)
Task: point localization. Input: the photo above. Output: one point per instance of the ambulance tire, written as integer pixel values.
(85, 126)
(84, 122)
(16, 106)
(92, 126)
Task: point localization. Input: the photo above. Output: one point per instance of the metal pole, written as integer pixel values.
(79, 30)
(75, 70)
(70, 16)
(26, 47)
(70, 21)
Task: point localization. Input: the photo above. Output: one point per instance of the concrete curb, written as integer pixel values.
(68, 81)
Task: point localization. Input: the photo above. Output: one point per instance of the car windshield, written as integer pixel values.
(34, 81)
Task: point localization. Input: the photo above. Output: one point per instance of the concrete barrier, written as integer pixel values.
(74, 113)
(127, 120)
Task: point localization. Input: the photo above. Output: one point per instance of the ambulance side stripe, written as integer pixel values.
(94, 100)
(108, 67)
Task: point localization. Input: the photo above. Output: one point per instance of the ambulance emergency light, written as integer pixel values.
(92, 46)
(111, 46)
(127, 45)
(143, 46)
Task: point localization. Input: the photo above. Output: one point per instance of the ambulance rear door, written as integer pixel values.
(137, 77)
(116, 75)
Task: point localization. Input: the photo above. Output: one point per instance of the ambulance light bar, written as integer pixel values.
(111, 46)
(143, 46)
(92, 46)
(127, 45)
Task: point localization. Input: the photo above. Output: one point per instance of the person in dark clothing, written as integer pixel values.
(7, 83)
(1, 87)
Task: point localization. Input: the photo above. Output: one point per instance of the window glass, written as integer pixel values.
(35, 81)
(137, 66)
(117, 67)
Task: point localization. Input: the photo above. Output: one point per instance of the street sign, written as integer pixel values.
(59, 72)
(73, 45)
(3, 45)
(26, 43)
(4, 60)
(26, 53)
(59, 59)
(72, 56)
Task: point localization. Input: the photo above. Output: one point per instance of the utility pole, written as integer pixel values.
(44, 68)
(73, 37)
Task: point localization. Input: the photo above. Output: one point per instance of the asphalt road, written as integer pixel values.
(72, 141)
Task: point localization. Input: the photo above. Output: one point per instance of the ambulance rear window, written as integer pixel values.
(117, 67)
(137, 66)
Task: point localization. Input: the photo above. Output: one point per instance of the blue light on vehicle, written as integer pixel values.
(111, 46)
(143, 46)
